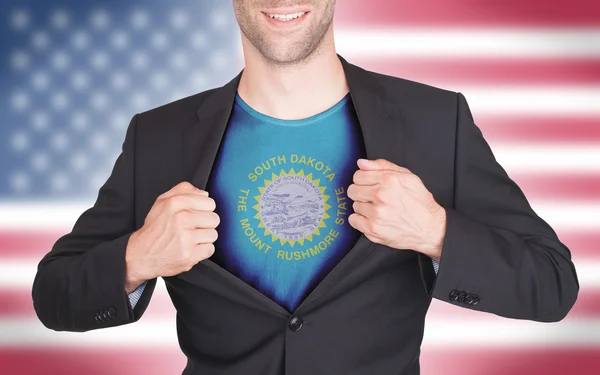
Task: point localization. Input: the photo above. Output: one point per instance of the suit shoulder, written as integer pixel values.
(409, 90)
(176, 111)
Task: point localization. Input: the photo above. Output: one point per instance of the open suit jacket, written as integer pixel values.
(367, 315)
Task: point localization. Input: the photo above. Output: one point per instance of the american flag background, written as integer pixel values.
(74, 73)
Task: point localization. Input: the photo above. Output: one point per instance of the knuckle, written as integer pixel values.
(176, 203)
(388, 178)
(379, 210)
(380, 194)
(181, 217)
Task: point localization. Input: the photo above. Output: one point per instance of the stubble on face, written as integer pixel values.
(284, 47)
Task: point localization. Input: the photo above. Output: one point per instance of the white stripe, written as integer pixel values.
(531, 100)
(161, 333)
(562, 215)
(20, 274)
(547, 158)
(468, 43)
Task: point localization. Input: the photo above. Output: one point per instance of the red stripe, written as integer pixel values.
(120, 361)
(539, 129)
(584, 187)
(510, 361)
(27, 243)
(468, 13)
(94, 361)
(454, 72)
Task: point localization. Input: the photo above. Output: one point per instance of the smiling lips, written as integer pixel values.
(286, 17)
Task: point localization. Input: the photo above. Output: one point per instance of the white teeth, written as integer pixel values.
(286, 17)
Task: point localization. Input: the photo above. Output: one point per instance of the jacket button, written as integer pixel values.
(295, 323)
(461, 297)
(453, 296)
(105, 315)
(469, 299)
(97, 317)
(112, 312)
(475, 299)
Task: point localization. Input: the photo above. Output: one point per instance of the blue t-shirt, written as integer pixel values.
(280, 191)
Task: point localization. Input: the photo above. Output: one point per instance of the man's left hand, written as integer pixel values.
(392, 207)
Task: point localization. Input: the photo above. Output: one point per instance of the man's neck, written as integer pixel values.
(293, 92)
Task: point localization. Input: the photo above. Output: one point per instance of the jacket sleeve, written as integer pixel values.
(80, 283)
(498, 255)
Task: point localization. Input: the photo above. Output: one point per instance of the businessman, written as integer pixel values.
(304, 215)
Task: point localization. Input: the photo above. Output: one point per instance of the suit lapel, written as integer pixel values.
(380, 122)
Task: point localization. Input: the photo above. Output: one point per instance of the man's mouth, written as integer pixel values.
(286, 17)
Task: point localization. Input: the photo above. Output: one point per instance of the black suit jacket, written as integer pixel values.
(367, 315)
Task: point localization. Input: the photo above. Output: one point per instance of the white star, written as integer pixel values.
(79, 161)
(20, 182)
(139, 19)
(60, 19)
(199, 39)
(39, 161)
(119, 121)
(80, 39)
(79, 121)
(159, 80)
(119, 39)
(20, 100)
(139, 60)
(60, 60)
(179, 19)
(179, 60)
(99, 101)
(59, 141)
(20, 19)
(99, 141)
(40, 40)
(40, 121)
(60, 100)
(79, 80)
(139, 101)
(59, 182)
(119, 80)
(100, 19)
(159, 40)
(20, 141)
(220, 20)
(198, 81)
(40, 80)
(19, 60)
(100, 60)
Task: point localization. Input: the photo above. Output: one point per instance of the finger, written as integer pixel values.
(204, 235)
(182, 188)
(364, 209)
(358, 222)
(203, 251)
(380, 164)
(191, 201)
(196, 219)
(361, 193)
(364, 177)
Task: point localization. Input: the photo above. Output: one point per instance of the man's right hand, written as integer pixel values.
(178, 232)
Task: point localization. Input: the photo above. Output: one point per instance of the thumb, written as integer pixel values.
(367, 164)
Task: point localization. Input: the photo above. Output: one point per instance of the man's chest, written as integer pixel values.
(283, 210)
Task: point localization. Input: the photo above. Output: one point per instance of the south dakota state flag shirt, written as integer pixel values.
(280, 191)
